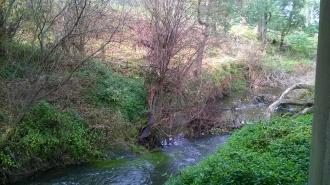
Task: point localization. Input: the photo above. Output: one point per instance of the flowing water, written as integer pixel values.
(154, 168)
(128, 169)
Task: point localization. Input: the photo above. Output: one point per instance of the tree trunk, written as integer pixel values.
(200, 52)
(2, 24)
(263, 26)
(262, 29)
(282, 40)
(282, 100)
(319, 171)
(147, 137)
(202, 46)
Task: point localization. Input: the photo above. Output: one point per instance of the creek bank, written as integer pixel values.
(230, 113)
(97, 107)
(220, 116)
(127, 168)
(270, 152)
(175, 154)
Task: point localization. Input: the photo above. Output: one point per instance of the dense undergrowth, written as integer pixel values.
(96, 109)
(274, 152)
(47, 137)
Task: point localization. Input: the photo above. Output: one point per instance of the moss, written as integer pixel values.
(108, 163)
(137, 149)
(158, 159)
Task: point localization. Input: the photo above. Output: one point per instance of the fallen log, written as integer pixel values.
(282, 101)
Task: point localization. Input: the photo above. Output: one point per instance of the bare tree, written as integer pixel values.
(174, 50)
(169, 28)
(65, 32)
(205, 32)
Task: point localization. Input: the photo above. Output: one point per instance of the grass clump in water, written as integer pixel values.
(274, 152)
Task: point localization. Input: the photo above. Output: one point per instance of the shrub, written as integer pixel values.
(276, 152)
(312, 29)
(302, 44)
(245, 32)
(49, 136)
(47, 131)
(231, 76)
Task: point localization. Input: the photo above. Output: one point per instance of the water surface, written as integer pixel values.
(153, 168)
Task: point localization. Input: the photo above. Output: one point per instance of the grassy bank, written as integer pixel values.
(95, 109)
(274, 152)
(45, 138)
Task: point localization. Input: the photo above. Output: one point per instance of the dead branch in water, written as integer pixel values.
(282, 101)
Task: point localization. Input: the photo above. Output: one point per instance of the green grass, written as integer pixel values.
(118, 101)
(111, 89)
(284, 63)
(234, 74)
(269, 153)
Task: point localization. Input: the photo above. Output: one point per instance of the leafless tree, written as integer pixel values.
(174, 49)
(65, 33)
(203, 20)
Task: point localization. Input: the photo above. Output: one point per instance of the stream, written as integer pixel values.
(129, 169)
(154, 168)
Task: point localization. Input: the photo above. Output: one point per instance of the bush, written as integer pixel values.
(47, 131)
(245, 32)
(231, 77)
(312, 29)
(302, 44)
(271, 153)
(47, 136)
